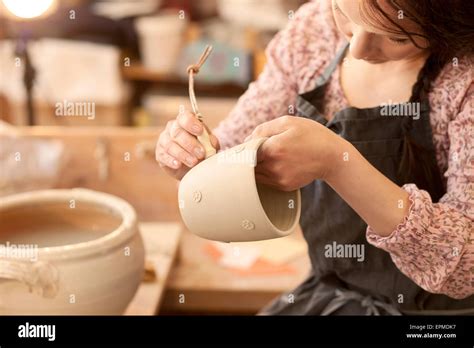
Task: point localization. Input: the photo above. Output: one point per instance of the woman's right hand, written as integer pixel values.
(178, 149)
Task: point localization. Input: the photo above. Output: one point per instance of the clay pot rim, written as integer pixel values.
(119, 236)
(280, 232)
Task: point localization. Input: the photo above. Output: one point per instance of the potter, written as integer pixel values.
(393, 177)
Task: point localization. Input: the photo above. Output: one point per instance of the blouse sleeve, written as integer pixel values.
(434, 245)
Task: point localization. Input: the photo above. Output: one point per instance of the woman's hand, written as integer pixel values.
(298, 151)
(178, 149)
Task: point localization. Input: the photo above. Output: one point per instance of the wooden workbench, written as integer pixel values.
(161, 245)
(198, 284)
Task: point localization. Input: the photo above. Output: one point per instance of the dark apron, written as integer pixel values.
(343, 285)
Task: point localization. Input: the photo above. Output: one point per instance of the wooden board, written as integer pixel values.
(161, 244)
(207, 287)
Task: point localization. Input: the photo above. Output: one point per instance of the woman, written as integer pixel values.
(382, 148)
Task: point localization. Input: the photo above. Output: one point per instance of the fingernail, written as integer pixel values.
(190, 160)
(199, 151)
(175, 163)
(197, 128)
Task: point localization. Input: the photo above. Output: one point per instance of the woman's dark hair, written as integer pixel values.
(448, 27)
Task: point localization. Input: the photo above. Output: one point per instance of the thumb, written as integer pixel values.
(265, 150)
(214, 140)
(270, 128)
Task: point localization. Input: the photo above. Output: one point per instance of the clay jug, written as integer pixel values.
(219, 199)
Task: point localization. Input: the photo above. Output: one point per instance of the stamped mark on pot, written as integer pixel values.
(247, 224)
(197, 196)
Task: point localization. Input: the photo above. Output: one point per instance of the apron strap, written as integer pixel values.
(332, 66)
(342, 297)
(306, 108)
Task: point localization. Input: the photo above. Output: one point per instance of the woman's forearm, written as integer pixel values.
(378, 201)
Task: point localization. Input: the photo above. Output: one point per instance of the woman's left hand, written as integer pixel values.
(297, 152)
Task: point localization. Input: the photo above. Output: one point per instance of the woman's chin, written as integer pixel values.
(375, 61)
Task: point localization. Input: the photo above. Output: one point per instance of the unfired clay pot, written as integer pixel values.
(89, 257)
(220, 200)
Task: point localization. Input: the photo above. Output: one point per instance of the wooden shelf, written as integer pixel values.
(138, 73)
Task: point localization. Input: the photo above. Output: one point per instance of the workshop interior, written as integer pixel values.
(103, 211)
(86, 89)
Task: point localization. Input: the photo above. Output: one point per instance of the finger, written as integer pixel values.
(168, 126)
(160, 153)
(161, 144)
(214, 141)
(263, 170)
(268, 148)
(270, 128)
(166, 160)
(187, 141)
(181, 155)
(176, 173)
(190, 123)
(176, 151)
(265, 180)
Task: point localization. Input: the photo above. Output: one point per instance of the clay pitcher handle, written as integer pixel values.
(204, 138)
(40, 277)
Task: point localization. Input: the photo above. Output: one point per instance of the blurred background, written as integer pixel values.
(87, 86)
(129, 57)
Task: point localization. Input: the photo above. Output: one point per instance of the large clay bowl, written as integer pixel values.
(68, 252)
